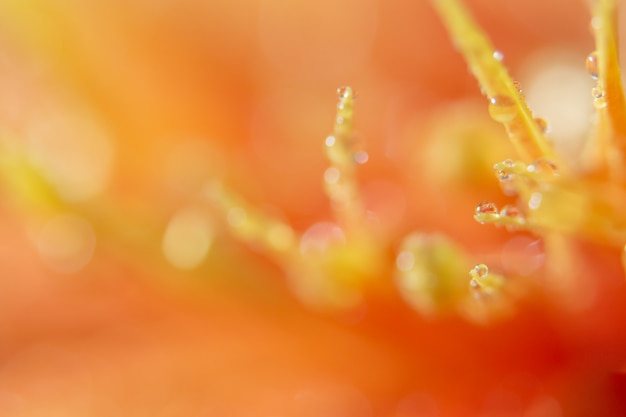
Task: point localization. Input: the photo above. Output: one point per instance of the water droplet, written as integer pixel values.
(502, 109)
(504, 175)
(592, 65)
(597, 92)
(542, 124)
(498, 56)
(599, 102)
(474, 283)
(481, 271)
(339, 120)
(345, 92)
(361, 157)
(518, 86)
(332, 175)
(405, 261)
(513, 214)
(503, 171)
(510, 212)
(544, 167)
(486, 207)
(330, 141)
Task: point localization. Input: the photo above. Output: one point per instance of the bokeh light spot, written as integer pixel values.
(188, 238)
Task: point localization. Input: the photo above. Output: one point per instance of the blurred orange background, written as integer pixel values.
(121, 110)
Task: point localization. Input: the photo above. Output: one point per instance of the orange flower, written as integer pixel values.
(175, 242)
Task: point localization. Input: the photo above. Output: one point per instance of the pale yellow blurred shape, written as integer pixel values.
(280, 237)
(237, 217)
(188, 238)
(320, 237)
(72, 151)
(66, 243)
(405, 261)
(558, 89)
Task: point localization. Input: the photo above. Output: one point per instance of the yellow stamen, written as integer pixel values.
(606, 152)
(507, 105)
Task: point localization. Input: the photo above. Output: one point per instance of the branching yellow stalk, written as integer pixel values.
(551, 197)
(507, 106)
(325, 265)
(340, 178)
(250, 225)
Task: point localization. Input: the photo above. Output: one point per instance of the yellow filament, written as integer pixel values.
(340, 178)
(607, 148)
(524, 132)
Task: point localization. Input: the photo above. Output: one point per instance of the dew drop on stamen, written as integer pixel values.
(505, 176)
(481, 271)
(498, 56)
(510, 211)
(330, 141)
(599, 97)
(597, 92)
(592, 65)
(345, 92)
(544, 167)
(486, 207)
(542, 124)
(502, 109)
(599, 102)
(508, 163)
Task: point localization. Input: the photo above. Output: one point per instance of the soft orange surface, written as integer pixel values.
(253, 82)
